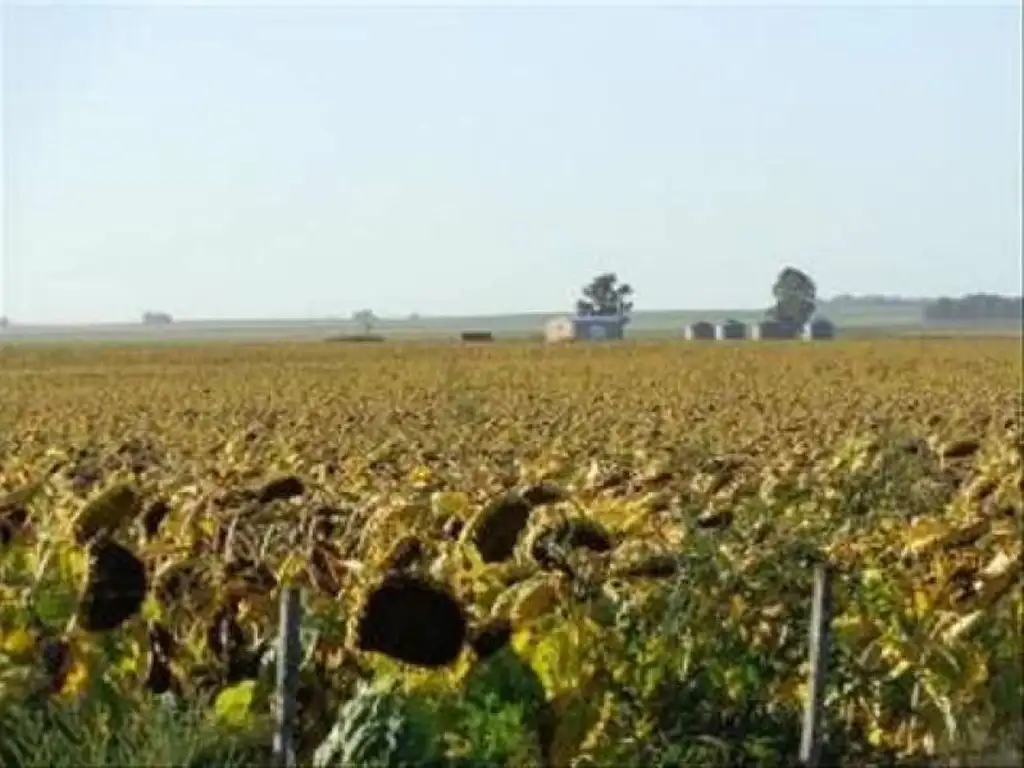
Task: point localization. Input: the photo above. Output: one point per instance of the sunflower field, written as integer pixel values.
(511, 554)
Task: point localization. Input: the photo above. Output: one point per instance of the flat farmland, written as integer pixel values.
(625, 534)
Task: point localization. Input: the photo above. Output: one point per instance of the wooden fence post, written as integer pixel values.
(289, 657)
(821, 618)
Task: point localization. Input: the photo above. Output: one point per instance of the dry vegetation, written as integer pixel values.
(629, 527)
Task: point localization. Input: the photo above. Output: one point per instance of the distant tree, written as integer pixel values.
(365, 318)
(156, 318)
(795, 298)
(605, 296)
(4, 322)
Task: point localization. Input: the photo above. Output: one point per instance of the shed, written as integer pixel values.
(585, 328)
(773, 330)
(819, 329)
(558, 329)
(700, 331)
(731, 330)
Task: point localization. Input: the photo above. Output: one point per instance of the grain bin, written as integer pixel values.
(819, 329)
(700, 331)
(731, 330)
(772, 330)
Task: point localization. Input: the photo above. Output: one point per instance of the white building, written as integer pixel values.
(585, 328)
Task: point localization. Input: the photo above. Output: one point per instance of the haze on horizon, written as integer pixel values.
(311, 161)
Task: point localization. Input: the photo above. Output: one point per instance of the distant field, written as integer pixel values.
(855, 322)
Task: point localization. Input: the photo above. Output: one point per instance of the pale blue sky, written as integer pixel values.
(298, 162)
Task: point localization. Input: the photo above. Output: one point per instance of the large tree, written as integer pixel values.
(795, 298)
(605, 296)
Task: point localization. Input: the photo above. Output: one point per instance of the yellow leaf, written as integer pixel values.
(636, 521)
(562, 657)
(18, 644)
(531, 599)
(924, 534)
(845, 627)
(792, 692)
(151, 610)
(449, 503)
(923, 603)
(420, 476)
(871, 577)
(207, 525)
(290, 569)
(129, 663)
(233, 704)
(106, 511)
(76, 680)
(876, 736)
(899, 670)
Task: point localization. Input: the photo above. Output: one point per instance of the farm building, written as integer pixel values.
(584, 328)
(700, 331)
(559, 329)
(819, 329)
(156, 318)
(731, 330)
(772, 330)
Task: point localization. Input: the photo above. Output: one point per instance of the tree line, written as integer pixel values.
(975, 307)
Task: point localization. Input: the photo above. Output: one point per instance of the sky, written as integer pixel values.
(310, 161)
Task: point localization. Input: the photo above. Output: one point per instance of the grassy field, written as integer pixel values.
(510, 554)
